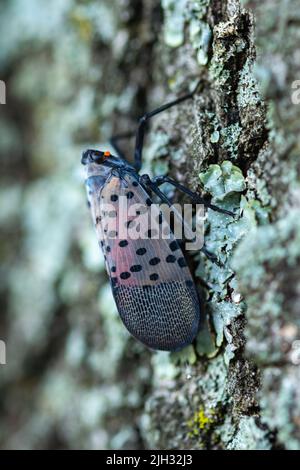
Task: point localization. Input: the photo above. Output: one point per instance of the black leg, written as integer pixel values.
(196, 198)
(211, 256)
(153, 186)
(143, 122)
(146, 181)
(115, 139)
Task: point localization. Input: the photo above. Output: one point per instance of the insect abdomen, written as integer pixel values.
(163, 316)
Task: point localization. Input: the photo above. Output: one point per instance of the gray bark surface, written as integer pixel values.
(76, 72)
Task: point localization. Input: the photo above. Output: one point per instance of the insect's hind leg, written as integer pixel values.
(196, 198)
(153, 186)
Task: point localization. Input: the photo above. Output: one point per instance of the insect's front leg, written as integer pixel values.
(140, 134)
(211, 256)
(142, 125)
(196, 198)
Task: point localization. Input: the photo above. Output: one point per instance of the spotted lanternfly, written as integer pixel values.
(152, 285)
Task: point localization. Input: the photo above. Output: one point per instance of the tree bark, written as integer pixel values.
(76, 74)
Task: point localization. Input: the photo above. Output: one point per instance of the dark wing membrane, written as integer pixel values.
(152, 285)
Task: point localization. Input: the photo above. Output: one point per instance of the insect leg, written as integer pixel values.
(150, 184)
(211, 256)
(116, 138)
(145, 180)
(153, 185)
(196, 198)
(143, 122)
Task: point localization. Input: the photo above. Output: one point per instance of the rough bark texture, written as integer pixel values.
(77, 71)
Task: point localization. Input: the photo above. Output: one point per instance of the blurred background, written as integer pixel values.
(77, 71)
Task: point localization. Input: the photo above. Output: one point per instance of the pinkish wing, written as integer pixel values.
(152, 285)
(135, 252)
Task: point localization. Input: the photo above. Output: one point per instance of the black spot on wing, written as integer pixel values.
(154, 261)
(174, 245)
(136, 268)
(182, 262)
(125, 275)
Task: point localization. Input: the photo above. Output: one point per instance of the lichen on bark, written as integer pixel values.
(75, 74)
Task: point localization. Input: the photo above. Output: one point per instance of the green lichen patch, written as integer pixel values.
(224, 179)
(91, 20)
(165, 367)
(280, 404)
(185, 356)
(174, 20)
(228, 43)
(248, 87)
(258, 262)
(215, 136)
(201, 421)
(200, 37)
(223, 313)
(226, 183)
(250, 436)
(205, 343)
(181, 12)
(231, 139)
(209, 406)
(198, 8)
(156, 153)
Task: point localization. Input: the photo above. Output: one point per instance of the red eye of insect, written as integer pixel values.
(106, 154)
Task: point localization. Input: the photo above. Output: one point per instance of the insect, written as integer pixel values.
(151, 283)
